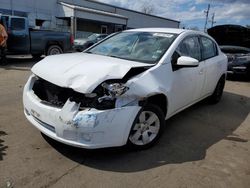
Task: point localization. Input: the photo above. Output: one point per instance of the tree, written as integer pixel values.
(147, 8)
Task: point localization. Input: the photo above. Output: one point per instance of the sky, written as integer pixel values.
(191, 12)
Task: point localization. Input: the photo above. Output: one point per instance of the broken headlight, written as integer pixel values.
(114, 90)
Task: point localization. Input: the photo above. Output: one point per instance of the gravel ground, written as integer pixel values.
(203, 146)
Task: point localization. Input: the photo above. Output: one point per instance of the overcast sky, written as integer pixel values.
(191, 12)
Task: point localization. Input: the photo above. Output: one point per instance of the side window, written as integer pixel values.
(208, 48)
(17, 24)
(190, 47)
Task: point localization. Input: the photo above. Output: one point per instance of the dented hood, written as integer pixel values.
(81, 71)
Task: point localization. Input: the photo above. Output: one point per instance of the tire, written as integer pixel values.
(217, 94)
(144, 135)
(54, 50)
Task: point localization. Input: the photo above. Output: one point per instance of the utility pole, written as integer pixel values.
(212, 21)
(207, 13)
(11, 4)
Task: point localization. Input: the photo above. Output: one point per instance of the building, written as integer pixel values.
(81, 17)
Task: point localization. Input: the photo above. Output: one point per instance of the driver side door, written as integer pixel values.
(187, 83)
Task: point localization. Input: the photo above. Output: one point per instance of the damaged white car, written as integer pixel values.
(121, 90)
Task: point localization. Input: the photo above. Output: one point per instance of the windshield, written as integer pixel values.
(136, 46)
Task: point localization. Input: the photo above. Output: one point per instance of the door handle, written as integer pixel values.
(201, 71)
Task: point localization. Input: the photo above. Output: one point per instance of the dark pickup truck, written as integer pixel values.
(24, 40)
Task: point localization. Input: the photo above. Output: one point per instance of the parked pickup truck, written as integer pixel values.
(25, 40)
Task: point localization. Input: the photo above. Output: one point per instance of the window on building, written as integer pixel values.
(17, 24)
(104, 29)
(39, 22)
(118, 28)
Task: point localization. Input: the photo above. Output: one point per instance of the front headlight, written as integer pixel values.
(114, 90)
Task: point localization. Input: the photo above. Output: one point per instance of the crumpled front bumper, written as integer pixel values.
(89, 128)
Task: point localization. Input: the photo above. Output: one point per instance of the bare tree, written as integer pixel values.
(147, 8)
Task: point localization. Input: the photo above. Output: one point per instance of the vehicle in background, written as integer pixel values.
(25, 40)
(234, 41)
(238, 60)
(121, 90)
(83, 43)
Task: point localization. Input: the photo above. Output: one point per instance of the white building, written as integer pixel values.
(81, 16)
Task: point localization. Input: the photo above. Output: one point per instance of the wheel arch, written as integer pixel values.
(50, 43)
(159, 100)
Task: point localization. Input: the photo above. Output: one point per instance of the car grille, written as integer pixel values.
(56, 96)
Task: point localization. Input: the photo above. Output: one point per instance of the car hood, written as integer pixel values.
(81, 71)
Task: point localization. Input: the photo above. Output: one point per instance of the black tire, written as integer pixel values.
(217, 94)
(54, 50)
(142, 129)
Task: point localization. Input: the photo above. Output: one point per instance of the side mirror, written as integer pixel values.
(185, 61)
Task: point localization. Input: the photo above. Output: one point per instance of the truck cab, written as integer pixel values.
(18, 31)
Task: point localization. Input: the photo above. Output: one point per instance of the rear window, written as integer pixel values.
(17, 24)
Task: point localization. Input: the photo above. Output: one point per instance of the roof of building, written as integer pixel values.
(92, 10)
(132, 10)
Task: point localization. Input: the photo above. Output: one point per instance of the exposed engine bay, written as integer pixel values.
(53, 95)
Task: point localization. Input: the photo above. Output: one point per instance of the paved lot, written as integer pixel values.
(204, 146)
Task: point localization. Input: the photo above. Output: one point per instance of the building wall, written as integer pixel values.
(138, 20)
(50, 11)
(35, 9)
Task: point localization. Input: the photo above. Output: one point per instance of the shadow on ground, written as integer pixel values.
(22, 63)
(2, 146)
(187, 137)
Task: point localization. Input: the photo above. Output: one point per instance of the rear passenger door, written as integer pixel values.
(211, 64)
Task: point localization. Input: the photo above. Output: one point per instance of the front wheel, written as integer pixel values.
(147, 128)
(54, 50)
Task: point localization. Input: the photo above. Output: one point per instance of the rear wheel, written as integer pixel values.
(54, 50)
(147, 128)
(217, 94)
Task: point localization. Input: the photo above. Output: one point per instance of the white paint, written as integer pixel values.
(81, 71)
(187, 61)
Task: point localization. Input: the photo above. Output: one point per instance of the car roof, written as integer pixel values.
(165, 30)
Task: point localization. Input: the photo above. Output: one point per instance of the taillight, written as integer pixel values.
(9, 31)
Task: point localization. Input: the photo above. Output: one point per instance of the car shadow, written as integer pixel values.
(187, 137)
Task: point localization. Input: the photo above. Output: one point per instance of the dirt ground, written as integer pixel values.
(203, 146)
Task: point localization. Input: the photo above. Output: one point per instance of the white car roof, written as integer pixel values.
(166, 30)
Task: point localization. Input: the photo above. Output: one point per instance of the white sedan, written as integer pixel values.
(121, 90)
